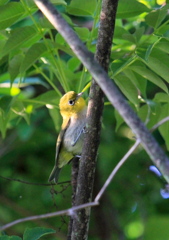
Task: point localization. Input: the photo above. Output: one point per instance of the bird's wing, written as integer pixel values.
(59, 142)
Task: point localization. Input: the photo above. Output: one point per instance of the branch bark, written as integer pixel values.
(94, 114)
(75, 169)
(151, 146)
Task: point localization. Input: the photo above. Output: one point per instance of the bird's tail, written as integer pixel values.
(54, 176)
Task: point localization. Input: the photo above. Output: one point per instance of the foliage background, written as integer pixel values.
(36, 68)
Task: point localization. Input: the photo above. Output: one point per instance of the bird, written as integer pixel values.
(73, 110)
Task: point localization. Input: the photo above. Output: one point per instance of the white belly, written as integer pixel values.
(74, 136)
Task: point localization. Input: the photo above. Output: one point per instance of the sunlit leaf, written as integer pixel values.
(18, 39)
(155, 18)
(130, 9)
(163, 45)
(13, 91)
(10, 13)
(82, 8)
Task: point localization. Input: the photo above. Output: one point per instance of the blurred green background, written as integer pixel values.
(36, 68)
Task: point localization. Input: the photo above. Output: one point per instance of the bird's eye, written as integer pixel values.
(71, 102)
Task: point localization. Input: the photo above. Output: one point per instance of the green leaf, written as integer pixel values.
(129, 37)
(127, 9)
(65, 49)
(158, 62)
(5, 104)
(155, 18)
(33, 54)
(18, 39)
(58, 2)
(159, 67)
(14, 66)
(2, 2)
(161, 97)
(163, 31)
(10, 13)
(36, 233)
(50, 98)
(119, 120)
(149, 75)
(134, 37)
(10, 238)
(83, 33)
(139, 83)
(139, 33)
(55, 115)
(150, 48)
(119, 32)
(163, 45)
(119, 65)
(164, 128)
(82, 8)
(9, 91)
(127, 87)
(73, 64)
(149, 113)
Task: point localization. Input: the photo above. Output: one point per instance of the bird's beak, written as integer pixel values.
(79, 95)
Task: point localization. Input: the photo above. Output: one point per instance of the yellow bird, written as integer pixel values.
(69, 143)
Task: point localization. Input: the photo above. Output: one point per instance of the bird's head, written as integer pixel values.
(71, 104)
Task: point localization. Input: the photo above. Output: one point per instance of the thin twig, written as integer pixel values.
(37, 184)
(159, 123)
(115, 170)
(71, 211)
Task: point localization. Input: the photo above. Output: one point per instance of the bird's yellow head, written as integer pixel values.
(71, 104)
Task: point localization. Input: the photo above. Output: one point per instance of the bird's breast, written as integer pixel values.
(74, 136)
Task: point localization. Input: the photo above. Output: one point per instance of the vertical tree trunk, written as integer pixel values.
(75, 169)
(94, 114)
